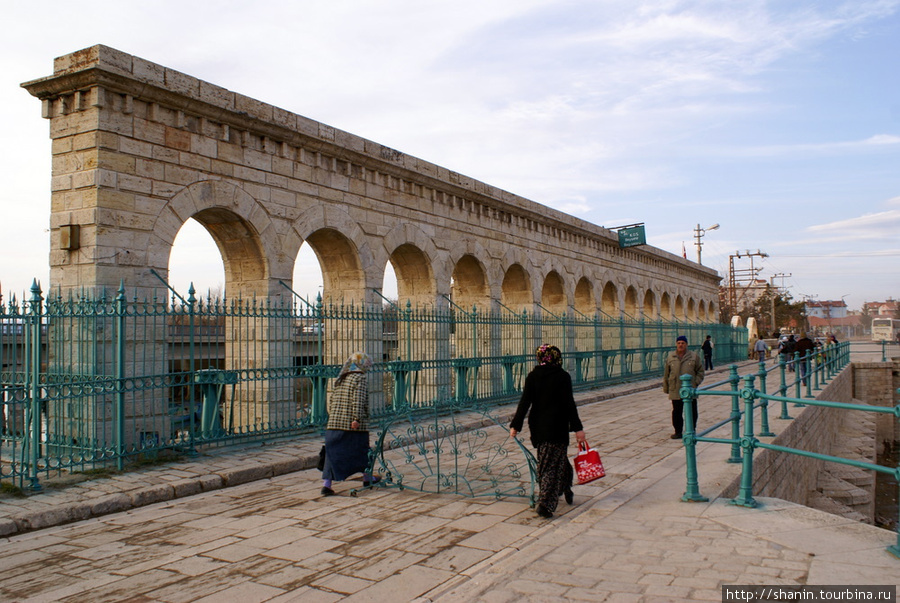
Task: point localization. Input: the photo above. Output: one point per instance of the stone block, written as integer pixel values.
(148, 72)
(152, 494)
(243, 475)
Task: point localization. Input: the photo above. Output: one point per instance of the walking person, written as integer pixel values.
(680, 362)
(549, 404)
(804, 348)
(707, 348)
(761, 348)
(347, 431)
(786, 349)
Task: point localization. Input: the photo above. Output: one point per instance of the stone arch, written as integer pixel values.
(691, 309)
(679, 308)
(585, 302)
(609, 301)
(342, 250)
(649, 306)
(553, 294)
(515, 292)
(665, 306)
(701, 310)
(469, 285)
(413, 256)
(631, 302)
(240, 227)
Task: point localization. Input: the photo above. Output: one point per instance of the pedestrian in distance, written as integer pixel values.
(786, 349)
(680, 362)
(347, 430)
(804, 348)
(761, 348)
(707, 353)
(549, 403)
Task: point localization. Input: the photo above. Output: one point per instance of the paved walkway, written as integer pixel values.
(250, 526)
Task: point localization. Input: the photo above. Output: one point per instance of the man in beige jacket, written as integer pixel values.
(680, 362)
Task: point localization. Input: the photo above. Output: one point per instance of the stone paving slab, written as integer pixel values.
(627, 538)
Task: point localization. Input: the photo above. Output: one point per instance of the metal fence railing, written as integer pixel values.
(813, 371)
(94, 381)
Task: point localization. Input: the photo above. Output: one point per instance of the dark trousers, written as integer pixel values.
(707, 362)
(678, 415)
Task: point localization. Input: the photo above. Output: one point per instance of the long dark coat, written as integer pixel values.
(548, 393)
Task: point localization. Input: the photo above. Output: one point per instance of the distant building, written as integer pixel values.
(886, 308)
(826, 309)
(842, 327)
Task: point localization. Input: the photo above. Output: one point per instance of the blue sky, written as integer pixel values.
(778, 120)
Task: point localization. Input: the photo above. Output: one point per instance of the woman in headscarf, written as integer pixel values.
(553, 414)
(347, 431)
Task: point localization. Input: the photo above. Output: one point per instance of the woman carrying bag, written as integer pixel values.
(549, 404)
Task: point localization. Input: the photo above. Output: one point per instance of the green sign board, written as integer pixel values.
(632, 237)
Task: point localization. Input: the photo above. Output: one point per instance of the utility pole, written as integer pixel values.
(699, 232)
(745, 275)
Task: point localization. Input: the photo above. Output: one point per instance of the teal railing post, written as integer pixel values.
(782, 391)
(192, 402)
(764, 405)
(121, 306)
(748, 443)
(895, 549)
(734, 379)
(33, 422)
(803, 371)
(815, 376)
(689, 397)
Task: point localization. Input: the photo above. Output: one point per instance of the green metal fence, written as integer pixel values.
(814, 370)
(101, 380)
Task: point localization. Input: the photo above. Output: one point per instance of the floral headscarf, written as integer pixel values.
(549, 354)
(358, 362)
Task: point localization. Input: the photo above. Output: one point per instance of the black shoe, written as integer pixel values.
(675, 436)
(570, 496)
(543, 512)
(367, 483)
(327, 491)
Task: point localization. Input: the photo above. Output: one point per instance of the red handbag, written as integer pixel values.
(588, 465)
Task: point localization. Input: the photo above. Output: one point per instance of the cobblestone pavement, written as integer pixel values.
(257, 529)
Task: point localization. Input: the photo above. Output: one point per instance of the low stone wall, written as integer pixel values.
(816, 429)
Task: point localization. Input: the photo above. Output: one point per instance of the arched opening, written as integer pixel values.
(609, 303)
(679, 308)
(516, 289)
(343, 281)
(631, 303)
(584, 298)
(691, 310)
(307, 280)
(553, 294)
(415, 280)
(650, 306)
(516, 299)
(195, 260)
(665, 307)
(246, 270)
(468, 285)
(701, 311)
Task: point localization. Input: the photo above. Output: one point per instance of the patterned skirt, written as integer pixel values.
(346, 453)
(555, 473)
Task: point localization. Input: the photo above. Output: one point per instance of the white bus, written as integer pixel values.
(885, 329)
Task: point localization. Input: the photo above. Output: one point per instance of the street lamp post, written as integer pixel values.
(699, 232)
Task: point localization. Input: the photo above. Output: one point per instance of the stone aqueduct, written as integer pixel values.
(138, 149)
